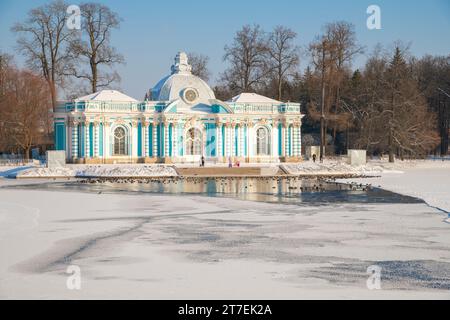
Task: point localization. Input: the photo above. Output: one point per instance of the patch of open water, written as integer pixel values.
(264, 189)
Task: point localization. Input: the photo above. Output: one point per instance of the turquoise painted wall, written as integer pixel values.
(210, 140)
(139, 150)
(60, 136)
(81, 148)
(280, 141)
(218, 109)
(180, 140)
(245, 142)
(91, 139)
(150, 140)
(158, 140)
(289, 141)
(100, 140)
(223, 141)
(160, 134)
(170, 139)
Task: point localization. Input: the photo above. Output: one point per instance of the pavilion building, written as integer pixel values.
(180, 123)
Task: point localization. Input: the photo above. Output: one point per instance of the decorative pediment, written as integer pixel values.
(221, 107)
(171, 107)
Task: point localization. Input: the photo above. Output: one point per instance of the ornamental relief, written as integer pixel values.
(262, 122)
(119, 121)
(191, 122)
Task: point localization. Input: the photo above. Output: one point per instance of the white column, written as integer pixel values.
(143, 140)
(166, 139)
(155, 139)
(106, 140)
(241, 141)
(246, 137)
(175, 140)
(134, 139)
(250, 141)
(219, 140)
(146, 137)
(293, 141)
(86, 140)
(237, 135)
(227, 140)
(286, 141)
(74, 147)
(96, 139)
(233, 145)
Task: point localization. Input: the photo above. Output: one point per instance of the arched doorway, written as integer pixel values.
(120, 142)
(194, 142)
(262, 141)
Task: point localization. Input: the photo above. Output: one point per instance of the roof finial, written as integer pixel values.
(181, 64)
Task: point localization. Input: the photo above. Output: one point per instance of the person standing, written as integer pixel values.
(203, 161)
(230, 163)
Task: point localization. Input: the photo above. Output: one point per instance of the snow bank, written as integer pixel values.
(427, 180)
(334, 167)
(100, 171)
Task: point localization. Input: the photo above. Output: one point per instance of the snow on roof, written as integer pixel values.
(252, 98)
(107, 95)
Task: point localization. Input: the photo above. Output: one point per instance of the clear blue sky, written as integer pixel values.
(153, 31)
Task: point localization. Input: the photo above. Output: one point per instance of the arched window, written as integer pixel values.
(262, 142)
(194, 142)
(120, 142)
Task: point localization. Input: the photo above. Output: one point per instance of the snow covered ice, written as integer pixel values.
(157, 246)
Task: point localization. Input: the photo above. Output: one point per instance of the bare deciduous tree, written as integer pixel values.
(24, 109)
(42, 40)
(321, 51)
(199, 63)
(5, 66)
(247, 57)
(284, 55)
(344, 47)
(94, 48)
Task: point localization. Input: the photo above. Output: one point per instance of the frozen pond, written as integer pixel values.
(197, 239)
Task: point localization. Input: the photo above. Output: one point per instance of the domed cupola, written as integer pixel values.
(182, 85)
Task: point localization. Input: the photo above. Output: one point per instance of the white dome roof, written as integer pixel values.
(174, 86)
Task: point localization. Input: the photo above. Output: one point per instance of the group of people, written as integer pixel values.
(314, 157)
(230, 162)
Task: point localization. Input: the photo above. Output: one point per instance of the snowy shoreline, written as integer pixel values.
(330, 169)
(86, 171)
